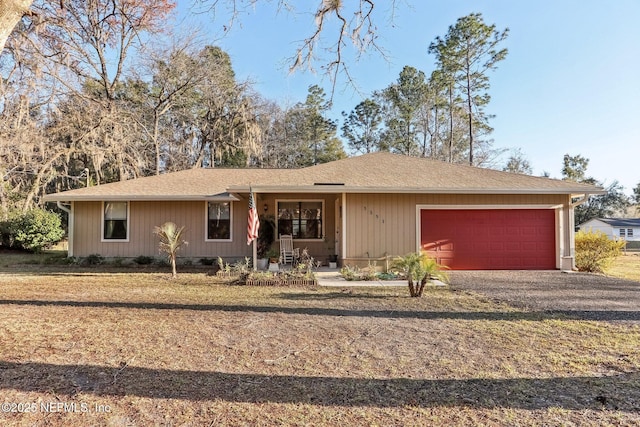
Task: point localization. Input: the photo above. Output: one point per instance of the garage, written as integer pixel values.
(490, 239)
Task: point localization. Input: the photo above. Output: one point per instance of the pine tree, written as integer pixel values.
(310, 137)
(361, 127)
(466, 55)
(403, 100)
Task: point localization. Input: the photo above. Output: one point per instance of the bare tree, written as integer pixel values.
(518, 163)
(337, 25)
(26, 158)
(272, 119)
(11, 12)
(169, 78)
(60, 96)
(352, 22)
(217, 115)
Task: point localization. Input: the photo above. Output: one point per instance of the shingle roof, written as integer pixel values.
(621, 222)
(391, 172)
(376, 172)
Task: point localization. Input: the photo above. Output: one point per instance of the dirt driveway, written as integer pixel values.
(583, 295)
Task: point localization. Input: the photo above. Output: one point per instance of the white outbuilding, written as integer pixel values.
(616, 228)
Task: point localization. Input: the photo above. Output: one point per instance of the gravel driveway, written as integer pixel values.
(588, 296)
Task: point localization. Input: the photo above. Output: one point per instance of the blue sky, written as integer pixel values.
(569, 84)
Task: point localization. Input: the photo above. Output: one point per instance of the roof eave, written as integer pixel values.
(406, 190)
(61, 197)
(231, 194)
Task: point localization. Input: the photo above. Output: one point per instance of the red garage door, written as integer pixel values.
(490, 239)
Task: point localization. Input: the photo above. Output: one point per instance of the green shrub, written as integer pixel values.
(33, 230)
(92, 259)
(143, 260)
(356, 273)
(67, 261)
(595, 251)
(388, 276)
(6, 234)
(161, 262)
(59, 259)
(419, 269)
(350, 273)
(207, 261)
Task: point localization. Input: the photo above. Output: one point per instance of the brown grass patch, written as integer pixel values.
(193, 351)
(626, 266)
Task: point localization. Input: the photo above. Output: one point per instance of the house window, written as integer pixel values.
(622, 234)
(629, 232)
(303, 220)
(115, 221)
(219, 220)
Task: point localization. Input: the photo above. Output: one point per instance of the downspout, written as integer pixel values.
(70, 221)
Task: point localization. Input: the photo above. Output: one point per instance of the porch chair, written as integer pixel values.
(288, 254)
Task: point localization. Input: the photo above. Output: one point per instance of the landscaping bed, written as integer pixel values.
(279, 279)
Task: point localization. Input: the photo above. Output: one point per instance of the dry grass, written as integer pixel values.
(195, 352)
(626, 266)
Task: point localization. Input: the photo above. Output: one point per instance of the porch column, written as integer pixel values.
(343, 234)
(567, 253)
(255, 241)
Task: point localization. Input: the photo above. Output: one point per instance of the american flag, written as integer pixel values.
(254, 223)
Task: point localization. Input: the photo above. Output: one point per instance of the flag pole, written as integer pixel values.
(255, 254)
(255, 241)
(252, 227)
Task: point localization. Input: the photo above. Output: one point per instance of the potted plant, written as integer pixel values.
(273, 255)
(333, 261)
(262, 263)
(333, 258)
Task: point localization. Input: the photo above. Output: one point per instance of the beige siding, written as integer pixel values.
(144, 216)
(385, 224)
(376, 224)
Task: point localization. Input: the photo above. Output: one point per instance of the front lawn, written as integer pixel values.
(626, 266)
(129, 347)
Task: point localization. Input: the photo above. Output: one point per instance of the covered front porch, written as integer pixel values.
(314, 220)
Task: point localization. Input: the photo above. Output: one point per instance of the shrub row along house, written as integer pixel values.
(360, 208)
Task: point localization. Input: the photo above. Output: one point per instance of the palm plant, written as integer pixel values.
(418, 268)
(171, 240)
